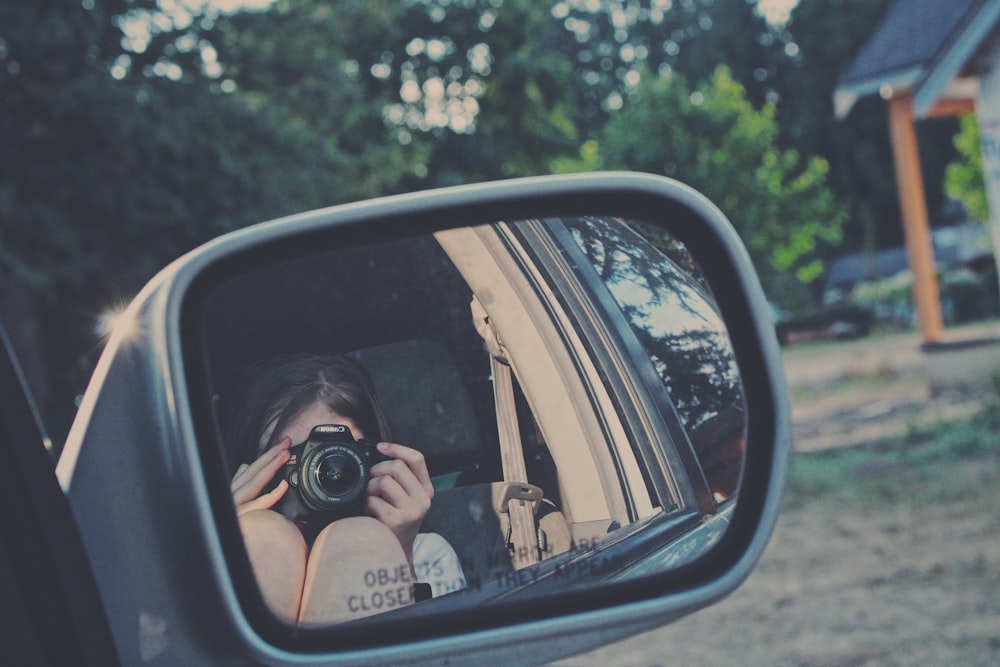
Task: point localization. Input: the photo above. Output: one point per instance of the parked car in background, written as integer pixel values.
(839, 322)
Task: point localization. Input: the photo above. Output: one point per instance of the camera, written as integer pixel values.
(327, 476)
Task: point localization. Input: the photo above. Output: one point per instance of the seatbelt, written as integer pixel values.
(516, 498)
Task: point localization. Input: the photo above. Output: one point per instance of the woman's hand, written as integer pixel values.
(250, 480)
(400, 492)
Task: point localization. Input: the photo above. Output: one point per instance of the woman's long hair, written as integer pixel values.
(273, 392)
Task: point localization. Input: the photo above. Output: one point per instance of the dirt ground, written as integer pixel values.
(876, 584)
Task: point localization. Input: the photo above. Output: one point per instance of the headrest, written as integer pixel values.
(425, 401)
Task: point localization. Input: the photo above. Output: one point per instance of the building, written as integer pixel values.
(931, 58)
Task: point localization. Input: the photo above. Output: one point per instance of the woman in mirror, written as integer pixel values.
(309, 571)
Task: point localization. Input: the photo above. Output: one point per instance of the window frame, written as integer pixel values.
(641, 399)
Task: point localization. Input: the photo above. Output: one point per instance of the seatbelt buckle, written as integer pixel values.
(504, 492)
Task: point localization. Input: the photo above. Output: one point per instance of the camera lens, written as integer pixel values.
(337, 473)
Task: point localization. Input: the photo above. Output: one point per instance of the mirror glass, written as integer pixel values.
(559, 396)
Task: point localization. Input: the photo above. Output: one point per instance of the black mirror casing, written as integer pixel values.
(150, 492)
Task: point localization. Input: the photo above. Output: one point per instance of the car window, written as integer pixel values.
(658, 288)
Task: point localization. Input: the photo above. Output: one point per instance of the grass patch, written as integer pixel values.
(851, 383)
(927, 464)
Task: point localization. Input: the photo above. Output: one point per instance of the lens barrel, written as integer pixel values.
(337, 473)
(332, 474)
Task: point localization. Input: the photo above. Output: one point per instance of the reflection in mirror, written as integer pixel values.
(485, 413)
(662, 294)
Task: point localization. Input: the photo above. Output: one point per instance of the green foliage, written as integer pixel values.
(527, 111)
(829, 34)
(794, 66)
(589, 159)
(103, 181)
(303, 68)
(894, 293)
(713, 139)
(122, 152)
(963, 178)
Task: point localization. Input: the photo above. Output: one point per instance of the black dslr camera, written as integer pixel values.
(327, 475)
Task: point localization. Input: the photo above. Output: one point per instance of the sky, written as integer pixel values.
(776, 11)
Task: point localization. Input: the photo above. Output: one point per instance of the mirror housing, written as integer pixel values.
(152, 499)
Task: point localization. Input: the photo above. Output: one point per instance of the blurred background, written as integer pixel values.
(133, 130)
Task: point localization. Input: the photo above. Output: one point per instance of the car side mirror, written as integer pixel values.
(585, 364)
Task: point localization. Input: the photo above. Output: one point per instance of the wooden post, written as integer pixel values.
(916, 229)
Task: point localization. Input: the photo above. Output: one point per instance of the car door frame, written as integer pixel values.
(53, 613)
(645, 409)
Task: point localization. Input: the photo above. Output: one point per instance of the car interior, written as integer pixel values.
(406, 312)
(402, 310)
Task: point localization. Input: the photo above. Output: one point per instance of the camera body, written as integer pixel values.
(327, 476)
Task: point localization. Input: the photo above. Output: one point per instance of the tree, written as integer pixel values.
(964, 176)
(713, 139)
(111, 171)
(505, 75)
(501, 89)
(827, 35)
(321, 72)
(616, 39)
